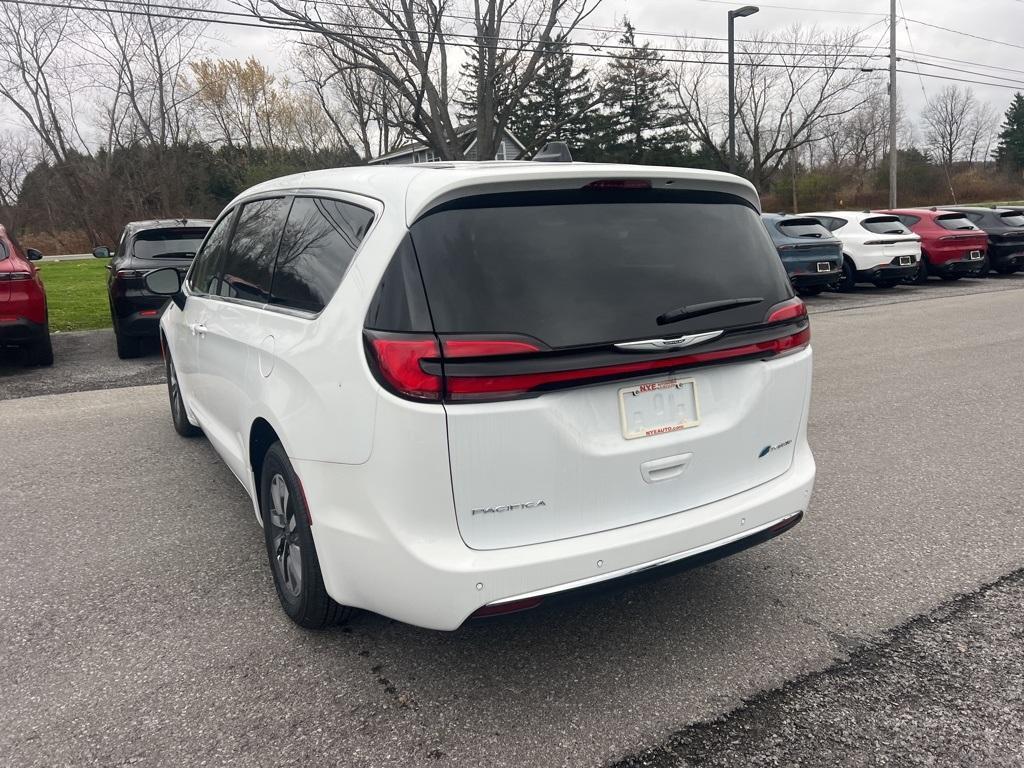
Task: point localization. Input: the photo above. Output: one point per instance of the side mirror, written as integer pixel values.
(163, 282)
(33, 254)
(101, 252)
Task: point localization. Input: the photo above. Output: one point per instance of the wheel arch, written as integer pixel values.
(262, 435)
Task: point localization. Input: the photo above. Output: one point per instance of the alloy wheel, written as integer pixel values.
(284, 538)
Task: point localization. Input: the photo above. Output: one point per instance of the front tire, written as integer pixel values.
(290, 548)
(179, 416)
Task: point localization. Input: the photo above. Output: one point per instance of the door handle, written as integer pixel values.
(197, 328)
(656, 470)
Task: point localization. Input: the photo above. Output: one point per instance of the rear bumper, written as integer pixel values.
(142, 318)
(888, 272)
(1005, 256)
(438, 582)
(814, 279)
(962, 266)
(21, 331)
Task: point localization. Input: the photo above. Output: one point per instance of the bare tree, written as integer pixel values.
(142, 59)
(803, 73)
(407, 44)
(947, 118)
(982, 130)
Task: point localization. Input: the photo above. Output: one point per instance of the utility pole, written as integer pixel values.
(892, 104)
(792, 164)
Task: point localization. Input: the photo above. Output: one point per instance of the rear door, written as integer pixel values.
(562, 317)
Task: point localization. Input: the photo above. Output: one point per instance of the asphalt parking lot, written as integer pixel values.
(140, 626)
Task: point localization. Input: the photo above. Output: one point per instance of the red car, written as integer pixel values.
(23, 316)
(951, 245)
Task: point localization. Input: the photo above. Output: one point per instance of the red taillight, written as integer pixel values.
(486, 347)
(129, 274)
(512, 606)
(15, 275)
(793, 309)
(483, 387)
(148, 312)
(619, 184)
(399, 359)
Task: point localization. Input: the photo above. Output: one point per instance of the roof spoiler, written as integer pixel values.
(554, 152)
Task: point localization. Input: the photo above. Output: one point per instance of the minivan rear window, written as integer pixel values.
(585, 267)
(811, 228)
(954, 221)
(885, 225)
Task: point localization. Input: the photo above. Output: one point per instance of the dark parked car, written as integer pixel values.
(24, 321)
(1005, 230)
(951, 245)
(145, 246)
(812, 255)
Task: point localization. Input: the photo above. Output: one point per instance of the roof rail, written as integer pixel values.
(554, 152)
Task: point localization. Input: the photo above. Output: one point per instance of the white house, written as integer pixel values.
(509, 149)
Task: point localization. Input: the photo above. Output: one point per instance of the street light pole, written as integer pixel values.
(746, 10)
(893, 151)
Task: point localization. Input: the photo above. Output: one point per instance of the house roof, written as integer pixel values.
(461, 132)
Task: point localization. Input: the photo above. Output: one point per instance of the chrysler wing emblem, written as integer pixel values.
(660, 345)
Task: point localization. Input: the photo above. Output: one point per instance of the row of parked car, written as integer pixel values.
(838, 249)
(828, 250)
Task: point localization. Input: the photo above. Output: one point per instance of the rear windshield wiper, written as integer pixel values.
(706, 308)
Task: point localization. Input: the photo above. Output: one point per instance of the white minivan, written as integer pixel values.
(460, 389)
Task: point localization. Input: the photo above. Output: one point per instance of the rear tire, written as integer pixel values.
(127, 346)
(179, 416)
(848, 281)
(41, 352)
(886, 283)
(921, 277)
(1006, 269)
(290, 547)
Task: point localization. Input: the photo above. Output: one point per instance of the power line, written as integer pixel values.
(297, 26)
(964, 34)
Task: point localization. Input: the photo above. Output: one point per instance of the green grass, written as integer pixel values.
(76, 292)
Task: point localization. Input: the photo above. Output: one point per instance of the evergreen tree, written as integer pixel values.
(1010, 152)
(559, 105)
(637, 122)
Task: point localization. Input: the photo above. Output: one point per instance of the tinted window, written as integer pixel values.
(578, 267)
(803, 228)
(974, 216)
(885, 225)
(169, 243)
(399, 303)
(318, 244)
(954, 221)
(831, 223)
(908, 220)
(249, 265)
(202, 278)
(1013, 218)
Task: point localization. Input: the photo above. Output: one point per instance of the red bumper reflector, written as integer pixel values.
(513, 606)
(149, 312)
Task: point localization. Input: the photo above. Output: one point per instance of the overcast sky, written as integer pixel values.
(996, 19)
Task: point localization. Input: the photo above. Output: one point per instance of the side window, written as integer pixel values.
(203, 277)
(119, 250)
(319, 242)
(248, 267)
(975, 216)
(908, 220)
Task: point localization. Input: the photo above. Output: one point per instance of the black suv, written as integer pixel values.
(144, 246)
(1005, 230)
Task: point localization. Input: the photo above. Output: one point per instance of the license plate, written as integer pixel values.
(906, 261)
(974, 255)
(658, 407)
(824, 266)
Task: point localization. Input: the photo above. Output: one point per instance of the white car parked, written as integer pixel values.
(459, 389)
(877, 248)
